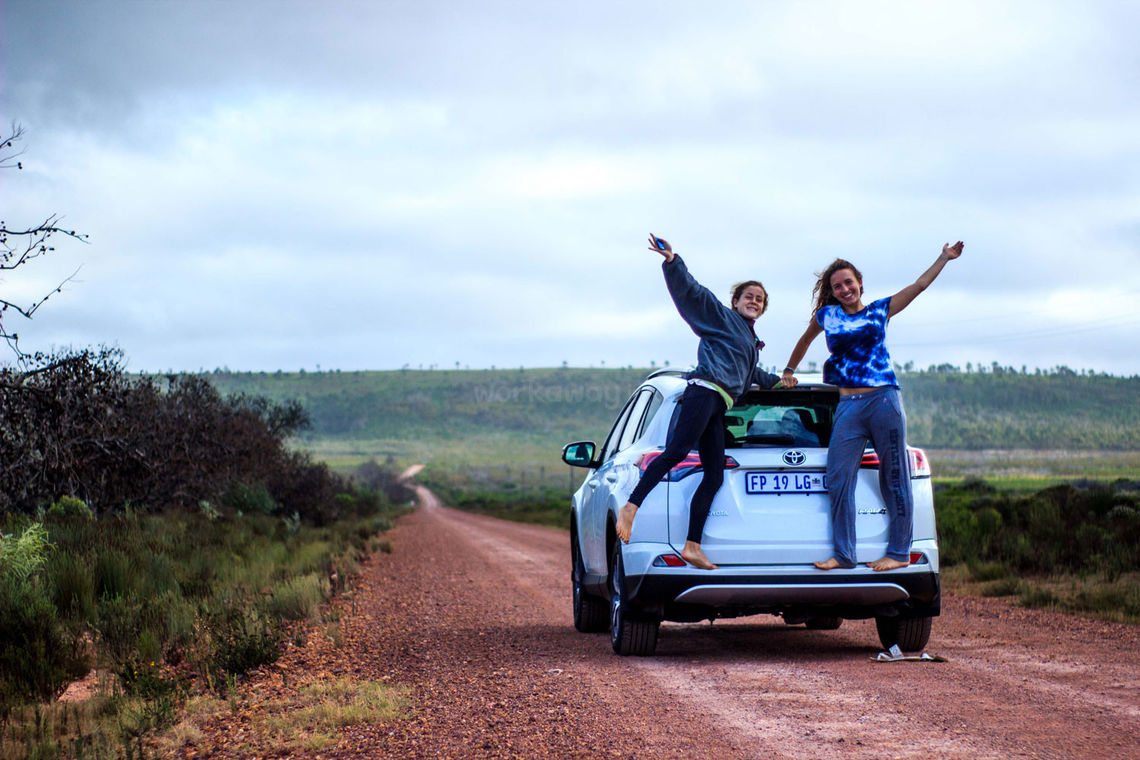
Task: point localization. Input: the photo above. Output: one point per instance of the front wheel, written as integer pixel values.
(630, 632)
(591, 614)
(911, 634)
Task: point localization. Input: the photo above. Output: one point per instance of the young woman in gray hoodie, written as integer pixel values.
(727, 359)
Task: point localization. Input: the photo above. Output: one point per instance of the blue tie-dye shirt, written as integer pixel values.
(857, 343)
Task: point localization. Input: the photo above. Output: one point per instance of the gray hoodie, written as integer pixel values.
(729, 350)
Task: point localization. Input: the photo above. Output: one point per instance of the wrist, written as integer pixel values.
(789, 370)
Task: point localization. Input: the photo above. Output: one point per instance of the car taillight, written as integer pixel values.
(917, 558)
(669, 560)
(919, 464)
(687, 466)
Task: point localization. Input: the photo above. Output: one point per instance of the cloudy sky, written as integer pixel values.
(368, 185)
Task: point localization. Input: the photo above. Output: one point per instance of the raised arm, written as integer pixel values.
(902, 299)
(695, 303)
(788, 379)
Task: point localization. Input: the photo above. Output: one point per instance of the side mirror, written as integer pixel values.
(579, 454)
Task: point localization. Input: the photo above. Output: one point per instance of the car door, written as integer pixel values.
(610, 480)
(592, 529)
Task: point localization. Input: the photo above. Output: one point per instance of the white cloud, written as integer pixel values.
(364, 185)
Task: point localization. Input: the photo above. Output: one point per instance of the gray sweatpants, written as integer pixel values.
(876, 416)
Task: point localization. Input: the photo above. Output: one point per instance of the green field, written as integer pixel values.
(507, 426)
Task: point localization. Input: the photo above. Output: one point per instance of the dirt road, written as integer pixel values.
(473, 613)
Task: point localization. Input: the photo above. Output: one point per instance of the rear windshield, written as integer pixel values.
(781, 418)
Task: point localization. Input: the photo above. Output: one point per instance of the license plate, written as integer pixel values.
(785, 482)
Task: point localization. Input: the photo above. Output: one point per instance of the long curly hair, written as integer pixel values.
(821, 293)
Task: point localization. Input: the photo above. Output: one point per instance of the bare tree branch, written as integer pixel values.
(9, 161)
(19, 246)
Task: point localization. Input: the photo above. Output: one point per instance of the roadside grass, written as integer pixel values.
(1116, 600)
(536, 504)
(306, 720)
(80, 729)
(1069, 546)
(163, 606)
(493, 459)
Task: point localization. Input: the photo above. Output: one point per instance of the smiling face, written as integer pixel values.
(751, 302)
(847, 289)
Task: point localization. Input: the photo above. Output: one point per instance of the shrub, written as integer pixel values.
(239, 641)
(76, 423)
(20, 557)
(119, 623)
(297, 598)
(113, 575)
(70, 508)
(986, 571)
(249, 498)
(38, 655)
(72, 586)
(1057, 529)
(1003, 587)
(1035, 596)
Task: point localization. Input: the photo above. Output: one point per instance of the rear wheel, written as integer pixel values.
(911, 634)
(591, 613)
(631, 632)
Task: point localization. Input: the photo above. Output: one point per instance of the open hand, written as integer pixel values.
(661, 245)
(953, 251)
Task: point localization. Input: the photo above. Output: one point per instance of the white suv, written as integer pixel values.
(768, 523)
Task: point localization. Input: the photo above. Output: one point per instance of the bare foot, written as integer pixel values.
(694, 556)
(625, 521)
(886, 563)
(831, 564)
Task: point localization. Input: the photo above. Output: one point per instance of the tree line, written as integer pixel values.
(945, 409)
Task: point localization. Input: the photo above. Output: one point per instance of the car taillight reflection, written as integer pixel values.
(919, 464)
(684, 468)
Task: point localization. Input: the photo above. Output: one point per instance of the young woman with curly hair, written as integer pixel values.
(870, 408)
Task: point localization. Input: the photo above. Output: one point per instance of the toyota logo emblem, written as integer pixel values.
(794, 457)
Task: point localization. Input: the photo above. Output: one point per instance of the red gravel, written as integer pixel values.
(473, 614)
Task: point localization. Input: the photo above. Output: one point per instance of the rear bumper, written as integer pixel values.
(799, 591)
(792, 592)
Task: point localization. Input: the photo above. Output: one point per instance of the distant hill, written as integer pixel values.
(949, 410)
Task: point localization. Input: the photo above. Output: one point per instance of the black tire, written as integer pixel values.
(630, 632)
(911, 634)
(591, 613)
(824, 623)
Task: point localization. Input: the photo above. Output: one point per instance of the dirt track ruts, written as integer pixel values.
(473, 614)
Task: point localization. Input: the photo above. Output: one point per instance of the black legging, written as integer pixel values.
(700, 422)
